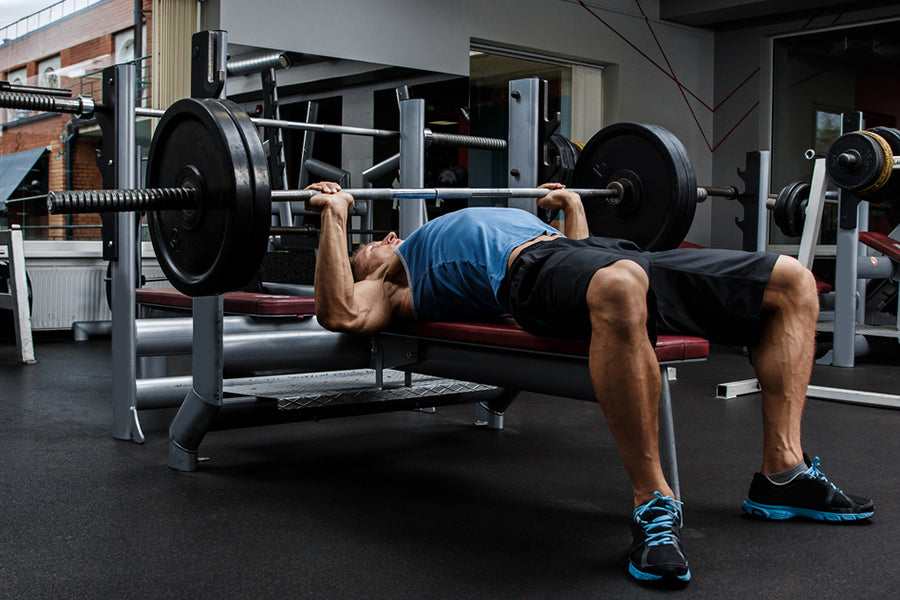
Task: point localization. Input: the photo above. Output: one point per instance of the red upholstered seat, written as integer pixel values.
(884, 244)
(245, 303)
(510, 335)
(504, 333)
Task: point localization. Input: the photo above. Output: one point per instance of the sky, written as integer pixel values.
(13, 10)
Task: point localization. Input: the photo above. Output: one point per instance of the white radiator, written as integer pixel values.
(71, 291)
(66, 293)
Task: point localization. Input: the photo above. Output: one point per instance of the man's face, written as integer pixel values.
(375, 254)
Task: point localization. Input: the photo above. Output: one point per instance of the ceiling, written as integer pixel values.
(720, 13)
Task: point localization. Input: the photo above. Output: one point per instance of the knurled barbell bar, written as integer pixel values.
(25, 98)
(6, 86)
(209, 200)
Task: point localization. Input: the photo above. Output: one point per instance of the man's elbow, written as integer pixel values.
(342, 323)
(333, 321)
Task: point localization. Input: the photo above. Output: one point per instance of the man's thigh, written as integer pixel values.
(549, 282)
(716, 294)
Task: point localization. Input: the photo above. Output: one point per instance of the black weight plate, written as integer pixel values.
(201, 250)
(865, 172)
(255, 245)
(686, 175)
(658, 165)
(561, 157)
(790, 208)
(560, 168)
(890, 193)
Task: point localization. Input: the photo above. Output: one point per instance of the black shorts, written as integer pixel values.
(714, 294)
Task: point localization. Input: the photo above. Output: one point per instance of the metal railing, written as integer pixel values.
(42, 18)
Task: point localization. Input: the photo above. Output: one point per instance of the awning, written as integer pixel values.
(14, 168)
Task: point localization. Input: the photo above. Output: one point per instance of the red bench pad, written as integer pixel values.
(245, 303)
(509, 334)
(503, 333)
(884, 244)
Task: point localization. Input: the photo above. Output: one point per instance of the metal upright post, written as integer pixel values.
(16, 296)
(845, 287)
(814, 209)
(762, 230)
(412, 163)
(525, 116)
(119, 92)
(202, 403)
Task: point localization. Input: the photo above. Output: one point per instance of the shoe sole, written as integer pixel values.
(780, 513)
(654, 578)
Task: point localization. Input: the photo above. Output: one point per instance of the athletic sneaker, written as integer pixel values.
(656, 555)
(809, 495)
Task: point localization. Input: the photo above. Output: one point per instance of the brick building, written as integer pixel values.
(63, 45)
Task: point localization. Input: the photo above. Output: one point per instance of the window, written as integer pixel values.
(48, 72)
(17, 77)
(124, 46)
(568, 85)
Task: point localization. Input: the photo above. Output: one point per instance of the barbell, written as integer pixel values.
(60, 101)
(208, 195)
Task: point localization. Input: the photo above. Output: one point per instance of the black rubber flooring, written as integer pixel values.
(416, 505)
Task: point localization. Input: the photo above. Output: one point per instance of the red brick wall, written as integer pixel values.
(77, 39)
(85, 176)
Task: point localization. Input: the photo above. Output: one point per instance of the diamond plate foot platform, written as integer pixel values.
(317, 390)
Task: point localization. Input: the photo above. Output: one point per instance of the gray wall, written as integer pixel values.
(435, 35)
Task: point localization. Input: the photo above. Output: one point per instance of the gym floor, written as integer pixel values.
(417, 505)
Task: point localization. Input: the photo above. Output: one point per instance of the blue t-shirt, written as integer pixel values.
(455, 263)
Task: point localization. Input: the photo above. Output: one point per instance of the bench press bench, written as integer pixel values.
(498, 354)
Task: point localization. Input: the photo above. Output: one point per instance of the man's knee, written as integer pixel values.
(792, 285)
(617, 295)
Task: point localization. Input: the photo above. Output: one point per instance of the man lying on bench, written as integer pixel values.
(486, 262)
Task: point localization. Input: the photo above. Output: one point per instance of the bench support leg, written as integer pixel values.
(203, 401)
(667, 435)
(489, 413)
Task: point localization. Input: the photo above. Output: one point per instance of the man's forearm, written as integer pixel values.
(575, 224)
(333, 276)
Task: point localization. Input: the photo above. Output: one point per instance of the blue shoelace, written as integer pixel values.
(813, 472)
(659, 530)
